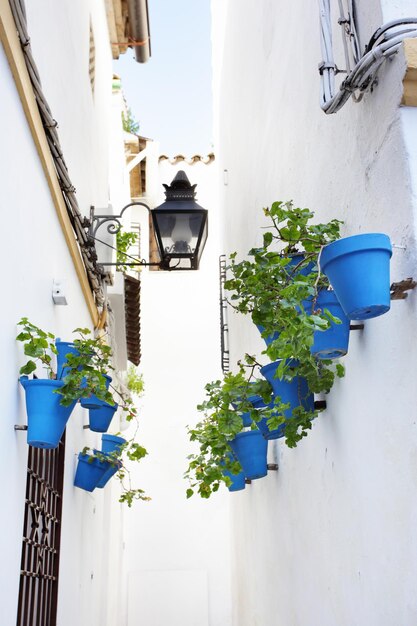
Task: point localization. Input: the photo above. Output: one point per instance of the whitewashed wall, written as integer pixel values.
(178, 550)
(34, 252)
(329, 539)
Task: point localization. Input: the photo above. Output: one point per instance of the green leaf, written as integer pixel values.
(28, 368)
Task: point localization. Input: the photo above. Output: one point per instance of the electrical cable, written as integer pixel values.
(362, 76)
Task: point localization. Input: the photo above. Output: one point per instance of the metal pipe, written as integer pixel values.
(139, 29)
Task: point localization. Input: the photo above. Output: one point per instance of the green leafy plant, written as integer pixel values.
(130, 125)
(37, 344)
(134, 381)
(280, 290)
(87, 369)
(277, 285)
(129, 451)
(124, 240)
(226, 401)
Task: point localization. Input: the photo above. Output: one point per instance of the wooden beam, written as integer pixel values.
(15, 57)
(410, 78)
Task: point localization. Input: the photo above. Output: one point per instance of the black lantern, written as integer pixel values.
(180, 226)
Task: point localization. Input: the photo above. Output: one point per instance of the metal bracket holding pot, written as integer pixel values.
(398, 289)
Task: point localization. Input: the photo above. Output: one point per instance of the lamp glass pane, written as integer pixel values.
(179, 233)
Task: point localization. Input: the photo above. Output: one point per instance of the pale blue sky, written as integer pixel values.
(170, 95)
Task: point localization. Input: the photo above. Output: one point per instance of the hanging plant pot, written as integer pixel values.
(358, 269)
(89, 472)
(250, 449)
(92, 402)
(291, 269)
(47, 417)
(100, 418)
(269, 338)
(256, 401)
(111, 443)
(333, 342)
(63, 348)
(238, 480)
(294, 393)
(109, 473)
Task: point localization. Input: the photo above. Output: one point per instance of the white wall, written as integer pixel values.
(34, 252)
(329, 539)
(178, 550)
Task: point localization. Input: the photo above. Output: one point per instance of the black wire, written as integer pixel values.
(383, 29)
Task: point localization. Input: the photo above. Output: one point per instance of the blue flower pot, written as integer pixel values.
(246, 418)
(269, 338)
(92, 402)
(294, 392)
(238, 480)
(305, 271)
(89, 472)
(333, 342)
(100, 418)
(47, 417)
(63, 348)
(250, 448)
(296, 259)
(358, 269)
(109, 473)
(111, 443)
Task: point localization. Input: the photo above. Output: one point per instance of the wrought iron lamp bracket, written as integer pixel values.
(113, 221)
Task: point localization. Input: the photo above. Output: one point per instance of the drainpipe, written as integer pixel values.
(139, 28)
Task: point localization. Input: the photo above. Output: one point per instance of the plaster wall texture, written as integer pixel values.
(328, 539)
(173, 543)
(34, 252)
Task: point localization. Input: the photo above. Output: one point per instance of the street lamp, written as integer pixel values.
(180, 226)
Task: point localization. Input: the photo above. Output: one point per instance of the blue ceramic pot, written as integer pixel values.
(238, 480)
(290, 268)
(257, 402)
(333, 342)
(111, 443)
(89, 472)
(250, 449)
(294, 392)
(63, 348)
(92, 402)
(100, 418)
(47, 417)
(109, 473)
(358, 269)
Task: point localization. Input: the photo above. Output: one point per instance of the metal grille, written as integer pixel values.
(224, 328)
(38, 592)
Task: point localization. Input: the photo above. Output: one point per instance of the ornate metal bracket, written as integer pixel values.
(398, 289)
(113, 227)
(114, 223)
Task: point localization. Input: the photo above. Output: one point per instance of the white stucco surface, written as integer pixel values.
(34, 253)
(329, 539)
